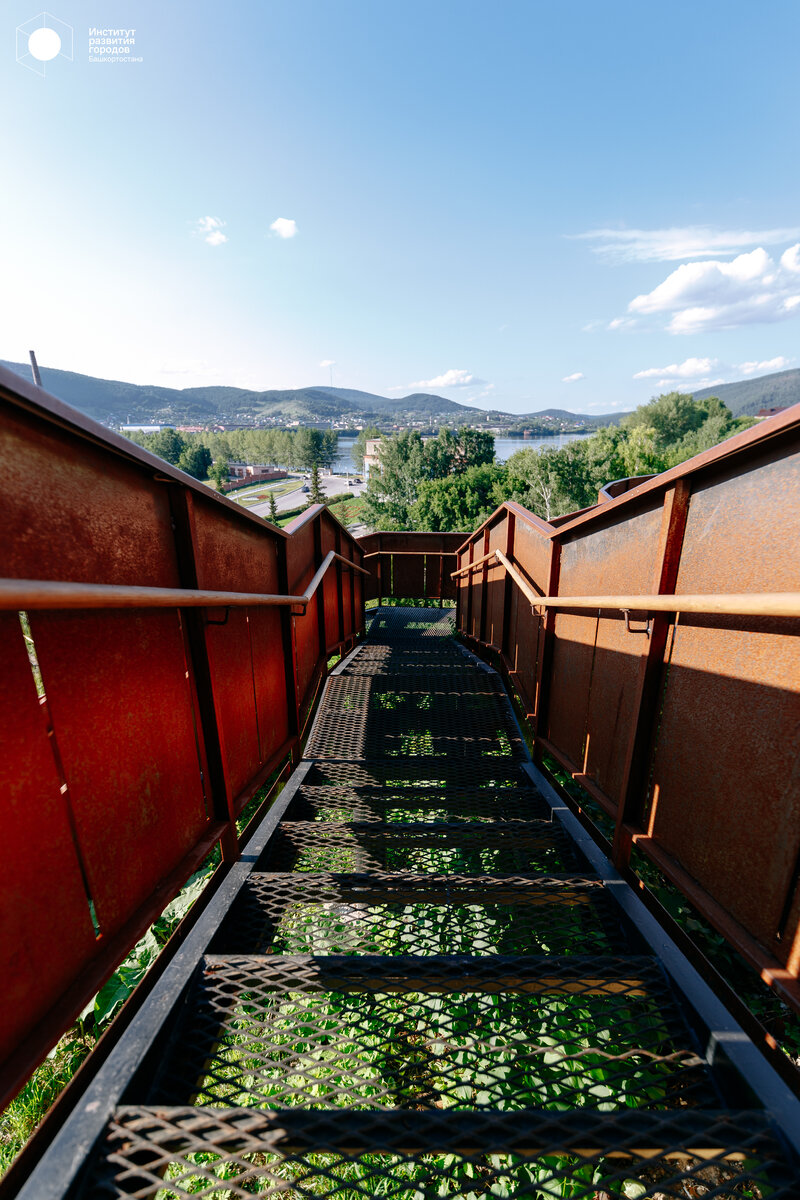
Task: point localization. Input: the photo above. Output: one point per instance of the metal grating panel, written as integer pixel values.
(226, 1153)
(460, 714)
(418, 914)
(391, 624)
(460, 848)
(416, 1032)
(316, 803)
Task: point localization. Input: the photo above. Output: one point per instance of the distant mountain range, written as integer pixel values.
(746, 397)
(115, 403)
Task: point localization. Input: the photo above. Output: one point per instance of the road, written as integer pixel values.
(331, 485)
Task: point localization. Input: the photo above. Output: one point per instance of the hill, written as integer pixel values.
(747, 396)
(115, 403)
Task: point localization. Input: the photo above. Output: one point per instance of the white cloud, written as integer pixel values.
(765, 366)
(328, 362)
(210, 230)
(574, 377)
(451, 378)
(697, 372)
(670, 245)
(284, 227)
(702, 296)
(690, 368)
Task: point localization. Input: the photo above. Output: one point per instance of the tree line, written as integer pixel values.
(453, 483)
(208, 455)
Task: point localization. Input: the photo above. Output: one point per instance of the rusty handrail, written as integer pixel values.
(32, 594)
(735, 604)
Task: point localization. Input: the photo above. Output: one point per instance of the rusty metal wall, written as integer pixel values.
(688, 738)
(155, 726)
(411, 566)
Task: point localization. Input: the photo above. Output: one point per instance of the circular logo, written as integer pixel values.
(44, 44)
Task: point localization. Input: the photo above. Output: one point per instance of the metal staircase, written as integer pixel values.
(423, 980)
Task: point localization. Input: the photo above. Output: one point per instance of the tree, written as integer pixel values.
(220, 472)
(316, 494)
(368, 433)
(329, 448)
(394, 484)
(195, 460)
(313, 447)
(671, 417)
(460, 501)
(167, 444)
(406, 462)
(273, 508)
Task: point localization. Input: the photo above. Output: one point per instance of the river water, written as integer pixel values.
(504, 447)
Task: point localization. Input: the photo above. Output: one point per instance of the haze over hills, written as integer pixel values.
(116, 403)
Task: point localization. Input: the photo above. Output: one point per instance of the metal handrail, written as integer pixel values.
(736, 604)
(34, 594)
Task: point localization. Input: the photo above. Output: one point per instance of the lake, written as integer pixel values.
(504, 447)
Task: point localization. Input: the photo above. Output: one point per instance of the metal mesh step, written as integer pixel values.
(429, 1032)
(459, 714)
(319, 803)
(465, 849)
(401, 623)
(424, 772)
(417, 914)
(226, 1153)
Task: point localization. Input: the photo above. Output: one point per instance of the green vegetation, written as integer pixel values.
(407, 463)
(315, 492)
(434, 486)
(658, 435)
(360, 444)
(27, 1109)
(193, 452)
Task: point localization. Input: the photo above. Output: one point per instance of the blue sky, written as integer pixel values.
(516, 205)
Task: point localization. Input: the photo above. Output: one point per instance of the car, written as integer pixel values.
(351, 483)
(305, 488)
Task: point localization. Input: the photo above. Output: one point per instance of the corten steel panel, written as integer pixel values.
(300, 560)
(523, 646)
(448, 564)
(726, 785)
(233, 555)
(495, 607)
(328, 587)
(74, 511)
(243, 558)
(421, 543)
(462, 587)
(347, 592)
(532, 555)
(621, 558)
(370, 544)
(476, 578)
(307, 646)
(301, 566)
(571, 674)
(269, 681)
(121, 709)
(46, 933)
(383, 568)
(408, 576)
